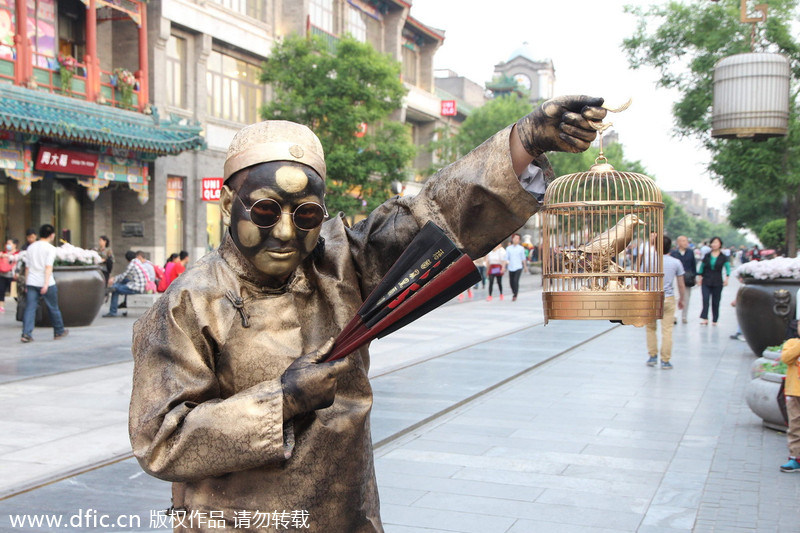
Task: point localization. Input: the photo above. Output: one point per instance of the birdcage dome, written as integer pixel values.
(602, 246)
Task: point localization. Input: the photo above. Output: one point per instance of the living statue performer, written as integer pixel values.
(231, 401)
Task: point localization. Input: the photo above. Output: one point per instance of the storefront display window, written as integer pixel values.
(174, 210)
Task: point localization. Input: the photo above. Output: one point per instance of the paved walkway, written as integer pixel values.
(518, 428)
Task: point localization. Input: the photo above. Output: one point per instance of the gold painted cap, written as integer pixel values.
(274, 140)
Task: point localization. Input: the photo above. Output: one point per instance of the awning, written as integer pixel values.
(59, 117)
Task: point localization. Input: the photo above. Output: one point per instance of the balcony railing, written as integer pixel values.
(331, 41)
(46, 74)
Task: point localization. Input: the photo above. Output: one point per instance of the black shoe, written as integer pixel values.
(60, 335)
(110, 315)
(26, 338)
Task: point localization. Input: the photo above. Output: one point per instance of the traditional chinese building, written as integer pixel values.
(79, 139)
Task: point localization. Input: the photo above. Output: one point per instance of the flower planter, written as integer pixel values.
(763, 395)
(81, 292)
(768, 357)
(763, 310)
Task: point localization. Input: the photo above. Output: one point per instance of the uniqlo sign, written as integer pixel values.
(448, 108)
(53, 159)
(210, 189)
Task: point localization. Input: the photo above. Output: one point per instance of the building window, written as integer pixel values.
(356, 25)
(7, 30)
(42, 32)
(321, 14)
(252, 8)
(234, 90)
(72, 29)
(176, 71)
(409, 63)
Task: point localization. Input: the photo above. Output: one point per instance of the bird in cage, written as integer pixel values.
(599, 255)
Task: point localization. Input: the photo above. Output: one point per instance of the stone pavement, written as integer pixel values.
(516, 428)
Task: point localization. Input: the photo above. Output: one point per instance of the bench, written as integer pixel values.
(139, 301)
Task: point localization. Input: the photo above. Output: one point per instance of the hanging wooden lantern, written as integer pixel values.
(602, 233)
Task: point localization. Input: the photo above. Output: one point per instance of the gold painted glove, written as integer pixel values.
(309, 384)
(561, 125)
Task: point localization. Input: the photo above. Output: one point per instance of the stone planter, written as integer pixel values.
(763, 309)
(763, 395)
(81, 292)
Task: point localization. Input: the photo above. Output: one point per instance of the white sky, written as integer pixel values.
(583, 38)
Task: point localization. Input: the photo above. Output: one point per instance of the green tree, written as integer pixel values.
(683, 42)
(773, 234)
(333, 94)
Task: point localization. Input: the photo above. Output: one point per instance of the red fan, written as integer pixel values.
(429, 272)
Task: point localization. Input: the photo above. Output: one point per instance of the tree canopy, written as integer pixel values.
(684, 42)
(334, 93)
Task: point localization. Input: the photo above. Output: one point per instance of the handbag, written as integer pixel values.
(689, 279)
(22, 302)
(495, 270)
(149, 285)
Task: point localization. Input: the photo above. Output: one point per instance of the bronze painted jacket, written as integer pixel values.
(206, 410)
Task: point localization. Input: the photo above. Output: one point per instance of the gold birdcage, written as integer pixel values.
(602, 246)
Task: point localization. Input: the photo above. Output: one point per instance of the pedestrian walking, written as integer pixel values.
(8, 267)
(41, 285)
(685, 255)
(673, 277)
(712, 275)
(495, 268)
(515, 256)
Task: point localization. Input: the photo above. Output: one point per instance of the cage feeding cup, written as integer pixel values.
(602, 246)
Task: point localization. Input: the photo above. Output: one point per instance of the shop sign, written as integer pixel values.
(448, 108)
(210, 189)
(67, 161)
(175, 188)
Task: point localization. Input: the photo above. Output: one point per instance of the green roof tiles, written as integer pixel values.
(60, 117)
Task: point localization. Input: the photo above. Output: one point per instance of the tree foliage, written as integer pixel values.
(333, 93)
(684, 42)
(773, 235)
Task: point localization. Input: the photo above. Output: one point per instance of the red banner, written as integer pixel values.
(53, 159)
(448, 108)
(210, 189)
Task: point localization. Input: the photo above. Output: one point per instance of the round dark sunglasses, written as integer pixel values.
(266, 213)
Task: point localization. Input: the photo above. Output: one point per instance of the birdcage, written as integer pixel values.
(602, 247)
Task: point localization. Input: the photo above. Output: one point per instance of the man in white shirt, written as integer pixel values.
(515, 255)
(673, 275)
(39, 283)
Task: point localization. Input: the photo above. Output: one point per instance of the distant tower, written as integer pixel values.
(534, 75)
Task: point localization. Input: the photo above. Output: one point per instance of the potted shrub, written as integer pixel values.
(81, 286)
(766, 300)
(125, 82)
(67, 65)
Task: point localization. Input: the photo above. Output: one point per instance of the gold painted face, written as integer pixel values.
(278, 250)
